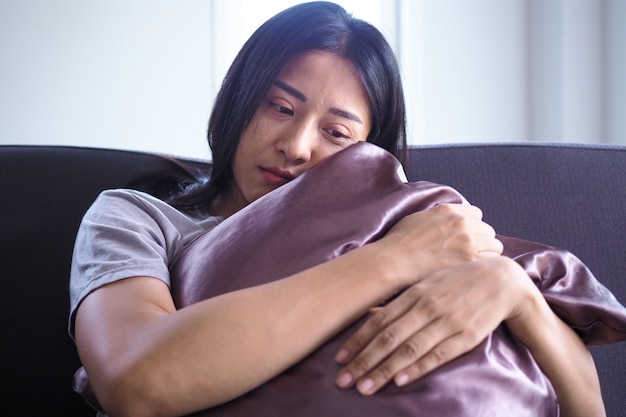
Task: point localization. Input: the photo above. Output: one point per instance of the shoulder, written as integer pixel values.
(128, 200)
(133, 208)
(129, 233)
(123, 223)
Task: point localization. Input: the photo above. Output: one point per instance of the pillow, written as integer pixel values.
(351, 199)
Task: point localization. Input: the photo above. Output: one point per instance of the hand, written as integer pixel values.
(433, 322)
(442, 237)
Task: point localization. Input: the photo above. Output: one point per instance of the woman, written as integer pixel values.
(309, 83)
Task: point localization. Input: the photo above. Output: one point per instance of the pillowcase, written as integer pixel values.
(349, 200)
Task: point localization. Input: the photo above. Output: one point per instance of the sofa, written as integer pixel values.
(565, 195)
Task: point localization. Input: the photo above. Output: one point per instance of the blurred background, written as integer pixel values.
(142, 74)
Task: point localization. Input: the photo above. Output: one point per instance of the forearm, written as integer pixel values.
(563, 358)
(145, 358)
(266, 329)
(215, 350)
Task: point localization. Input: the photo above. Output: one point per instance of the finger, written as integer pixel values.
(377, 339)
(488, 246)
(473, 211)
(381, 317)
(402, 358)
(375, 310)
(438, 356)
(470, 212)
(486, 229)
(481, 237)
(427, 350)
(365, 334)
(466, 210)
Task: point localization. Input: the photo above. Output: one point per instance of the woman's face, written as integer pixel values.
(316, 107)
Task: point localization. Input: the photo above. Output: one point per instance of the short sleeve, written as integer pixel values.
(124, 234)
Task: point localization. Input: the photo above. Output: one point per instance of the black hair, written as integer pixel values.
(318, 25)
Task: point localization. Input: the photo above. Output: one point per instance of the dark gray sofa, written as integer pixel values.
(570, 196)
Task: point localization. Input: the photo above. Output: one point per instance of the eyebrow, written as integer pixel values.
(290, 90)
(300, 96)
(346, 114)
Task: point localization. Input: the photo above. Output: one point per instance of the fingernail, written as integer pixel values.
(366, 386)
(342, 355)
(375, 310)
(345, 380)
(402, 379)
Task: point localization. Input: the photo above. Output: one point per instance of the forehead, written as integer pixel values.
(321, 62)
(325, 76)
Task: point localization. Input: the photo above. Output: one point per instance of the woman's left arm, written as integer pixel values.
(562, 356)
(449, 313)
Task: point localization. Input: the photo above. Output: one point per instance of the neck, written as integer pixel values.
(227, 203)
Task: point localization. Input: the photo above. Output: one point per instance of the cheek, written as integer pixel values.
(254, 139)
(249, 147)
(259, 124)
(327, 149)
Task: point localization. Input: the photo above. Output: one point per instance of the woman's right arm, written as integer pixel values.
(144, 357)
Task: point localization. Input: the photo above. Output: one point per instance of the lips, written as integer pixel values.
(276, 176)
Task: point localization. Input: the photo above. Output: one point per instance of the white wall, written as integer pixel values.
(464, 62)
(111, 73)
(515, 70)
(142, 74)
(615, 71)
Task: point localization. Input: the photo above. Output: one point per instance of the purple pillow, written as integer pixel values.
(351, 199)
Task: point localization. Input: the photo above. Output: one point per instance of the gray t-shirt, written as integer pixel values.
(127, 233)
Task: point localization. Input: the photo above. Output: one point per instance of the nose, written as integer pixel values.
(298, 144)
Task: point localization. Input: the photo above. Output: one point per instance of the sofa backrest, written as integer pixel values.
(564, 195)
(569, 196)
(45, 192)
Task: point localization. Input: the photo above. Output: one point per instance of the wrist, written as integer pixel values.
(532, 321)
(387, 266)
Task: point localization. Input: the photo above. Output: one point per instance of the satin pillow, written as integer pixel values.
(351, 199)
